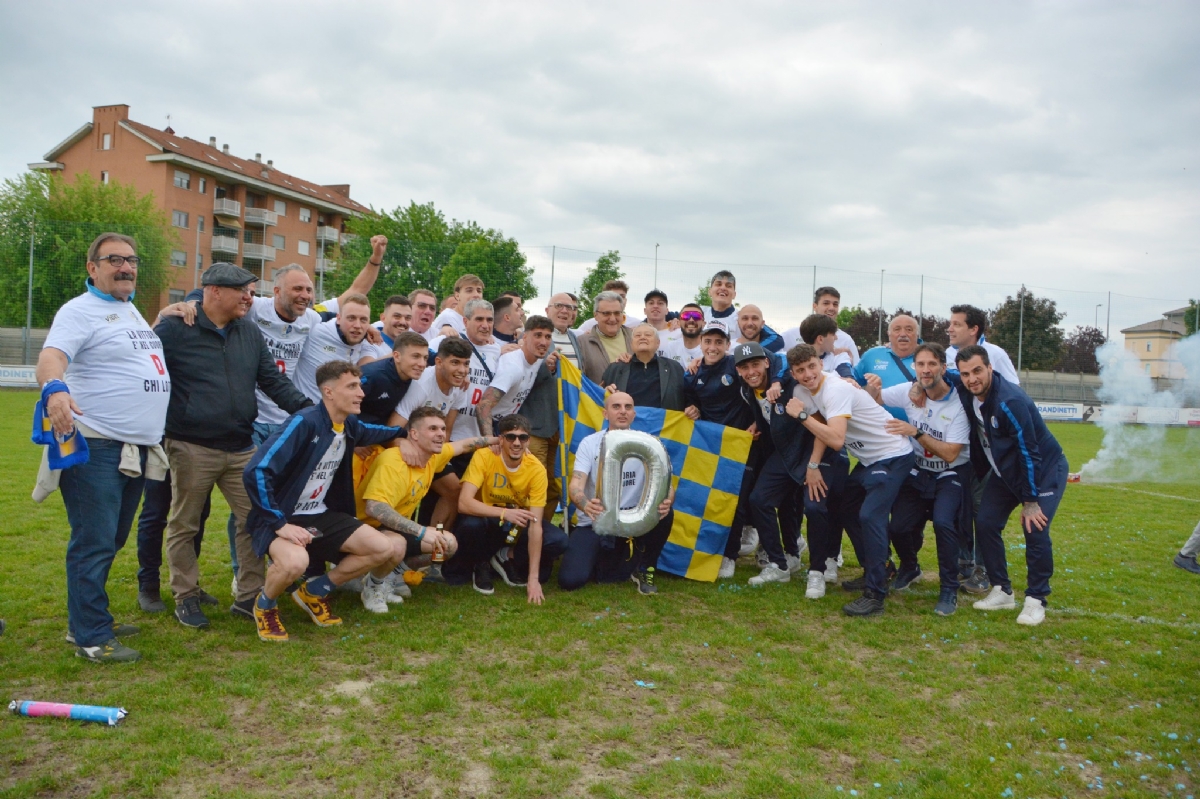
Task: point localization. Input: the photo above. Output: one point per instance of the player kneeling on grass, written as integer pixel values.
(301, 491)
(502, 500)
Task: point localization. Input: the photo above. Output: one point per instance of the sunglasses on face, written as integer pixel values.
(691, 316)
(510, 437)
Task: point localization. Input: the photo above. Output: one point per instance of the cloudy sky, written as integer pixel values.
(982, 145)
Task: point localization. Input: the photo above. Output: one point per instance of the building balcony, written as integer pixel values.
(326, 265)
(265, 288)
(262, 252)
(225, 244)
(261, 216)
(223, 206)
(327, 234)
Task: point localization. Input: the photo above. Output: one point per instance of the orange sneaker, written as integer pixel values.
(270, 628)
(317, 607)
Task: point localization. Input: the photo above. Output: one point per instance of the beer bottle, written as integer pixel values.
(439, 554)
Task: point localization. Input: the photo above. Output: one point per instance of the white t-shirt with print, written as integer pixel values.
(312, 499)
(449, 317)
(324, 345)
(514, 376)
(425, 391)
(466, 424)
(671, 345)
(116, 371)
(942, 419)
(843, 341)
(866, 437)
(587, 461)
(286, 341)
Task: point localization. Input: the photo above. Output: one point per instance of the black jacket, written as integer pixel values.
(213, 378)
(670, 381)
(787, 435)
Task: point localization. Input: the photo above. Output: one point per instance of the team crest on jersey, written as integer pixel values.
(726, 380)
(779, 409)
(112, 317)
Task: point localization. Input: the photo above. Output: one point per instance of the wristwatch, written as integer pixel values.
(814, 465)
(803, 415)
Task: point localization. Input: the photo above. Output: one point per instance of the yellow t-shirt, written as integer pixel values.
(499, 486)
(393, 481)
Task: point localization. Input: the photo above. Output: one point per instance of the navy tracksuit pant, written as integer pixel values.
(996, 506)
(871, 492)
(939, 497)
(773, 510)
(826, 515)
(608, 559)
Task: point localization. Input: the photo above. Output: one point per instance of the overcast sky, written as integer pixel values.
(994, 143)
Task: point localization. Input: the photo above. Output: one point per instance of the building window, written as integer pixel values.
(104, 178)
(200, 224)
(305, 214)
(279, 242)
(203, 185)
(281, 207)
(175, 295)
(255, 200)
(178, 258)
(182, 180)
(179, 219)
(302, 247)
(1147, 346)
(199, 261)
(106, 142)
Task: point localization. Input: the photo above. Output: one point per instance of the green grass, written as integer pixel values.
(756, 692)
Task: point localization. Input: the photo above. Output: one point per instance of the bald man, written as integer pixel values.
(562, 311)
(751, 327)
(608, 559)
(892, 363)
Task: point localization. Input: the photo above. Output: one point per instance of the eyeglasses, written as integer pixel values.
(565, 306)
(510, 437)
(119, 260)
(425, 306)
(609, 314)
(691, 316)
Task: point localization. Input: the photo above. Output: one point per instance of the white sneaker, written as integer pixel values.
(771, 574)
(399, 590)
(816, 586)
(749, 541)
(761, 559)
(374, 595)
(831, 567)
(801, 546)
(728, 566)
(840, 561)
(233, 587)
(793, 563)
(1034, 612)
(996, 599)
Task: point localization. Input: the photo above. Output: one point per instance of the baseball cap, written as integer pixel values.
(748, 352)
(716, 327)
(226, 274)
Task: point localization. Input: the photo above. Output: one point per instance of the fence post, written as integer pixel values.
(1021, 328)
(29, 290)
(921, 309)
(552, 249)
(881, 311)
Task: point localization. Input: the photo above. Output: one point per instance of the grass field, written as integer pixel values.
(754, 692)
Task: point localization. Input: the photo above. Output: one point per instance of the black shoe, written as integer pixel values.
(189, 614)
(977, 583)
(111, 651)
(119, 631)
(507, 569)
(244, 609)
(869, 604)
(1187, 564)
(208, 599)
(645, 581)
(855, 585)
(481, 580)
(150, 601)
(906, 577)
(1, 626)
(889, 570)
(947, 602)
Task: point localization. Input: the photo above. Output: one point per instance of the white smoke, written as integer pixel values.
(1143, 452)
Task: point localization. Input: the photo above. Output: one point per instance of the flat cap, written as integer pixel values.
(748, 352)
(226, 274)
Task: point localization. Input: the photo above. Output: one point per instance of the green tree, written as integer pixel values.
(427, 251)
(702, 297)
(63, 219)
(1032, 334)
(1189, 316)
(606, 269)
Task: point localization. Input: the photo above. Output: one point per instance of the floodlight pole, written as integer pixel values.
(552, 248)
(29, 290)
(1020, 328)
(656, 265)
(879, 341)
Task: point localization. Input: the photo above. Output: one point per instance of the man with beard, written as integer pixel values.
(339, 339)
(683, 345)
(893, 363)
(396, 318)
(752, 328)
(425, 308)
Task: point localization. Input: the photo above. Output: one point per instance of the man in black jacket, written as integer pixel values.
(653, 382)
(215, 365)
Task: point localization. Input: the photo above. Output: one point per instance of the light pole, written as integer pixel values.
(1096, 323)
(881, 313)
(656, 266)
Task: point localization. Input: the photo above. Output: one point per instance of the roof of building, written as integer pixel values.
(184, 149)
(1178, 311)
(1158, 326)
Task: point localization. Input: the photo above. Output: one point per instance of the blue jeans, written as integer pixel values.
(100, 503)
(607, 559)
(774, 489)
(871, 492)
(152, 521)
(261, 433)
(997, 505)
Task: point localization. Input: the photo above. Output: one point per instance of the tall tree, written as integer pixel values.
(702, 297)
(63, 219)
(1079, 351)
(1033, 332)
(606, 269)
(862, 324)
(1190, 316)
(497, 260)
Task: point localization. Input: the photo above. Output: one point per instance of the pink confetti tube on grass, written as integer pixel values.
(104, 715)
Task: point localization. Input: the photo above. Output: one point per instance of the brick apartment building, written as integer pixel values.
(224, 208)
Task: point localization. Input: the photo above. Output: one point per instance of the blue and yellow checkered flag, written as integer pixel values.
(707, 460)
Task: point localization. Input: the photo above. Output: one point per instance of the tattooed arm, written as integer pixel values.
(483, 411)
(389, 518)
(472, 444)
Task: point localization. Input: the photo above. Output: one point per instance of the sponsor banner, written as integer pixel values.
(1134, 414)
(18, 377)
(1191, 417)
(1061, 411)
(1164, 416)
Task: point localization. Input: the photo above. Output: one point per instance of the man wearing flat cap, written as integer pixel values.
(215, 365)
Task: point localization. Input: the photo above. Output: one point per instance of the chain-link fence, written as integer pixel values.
(42, 266)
